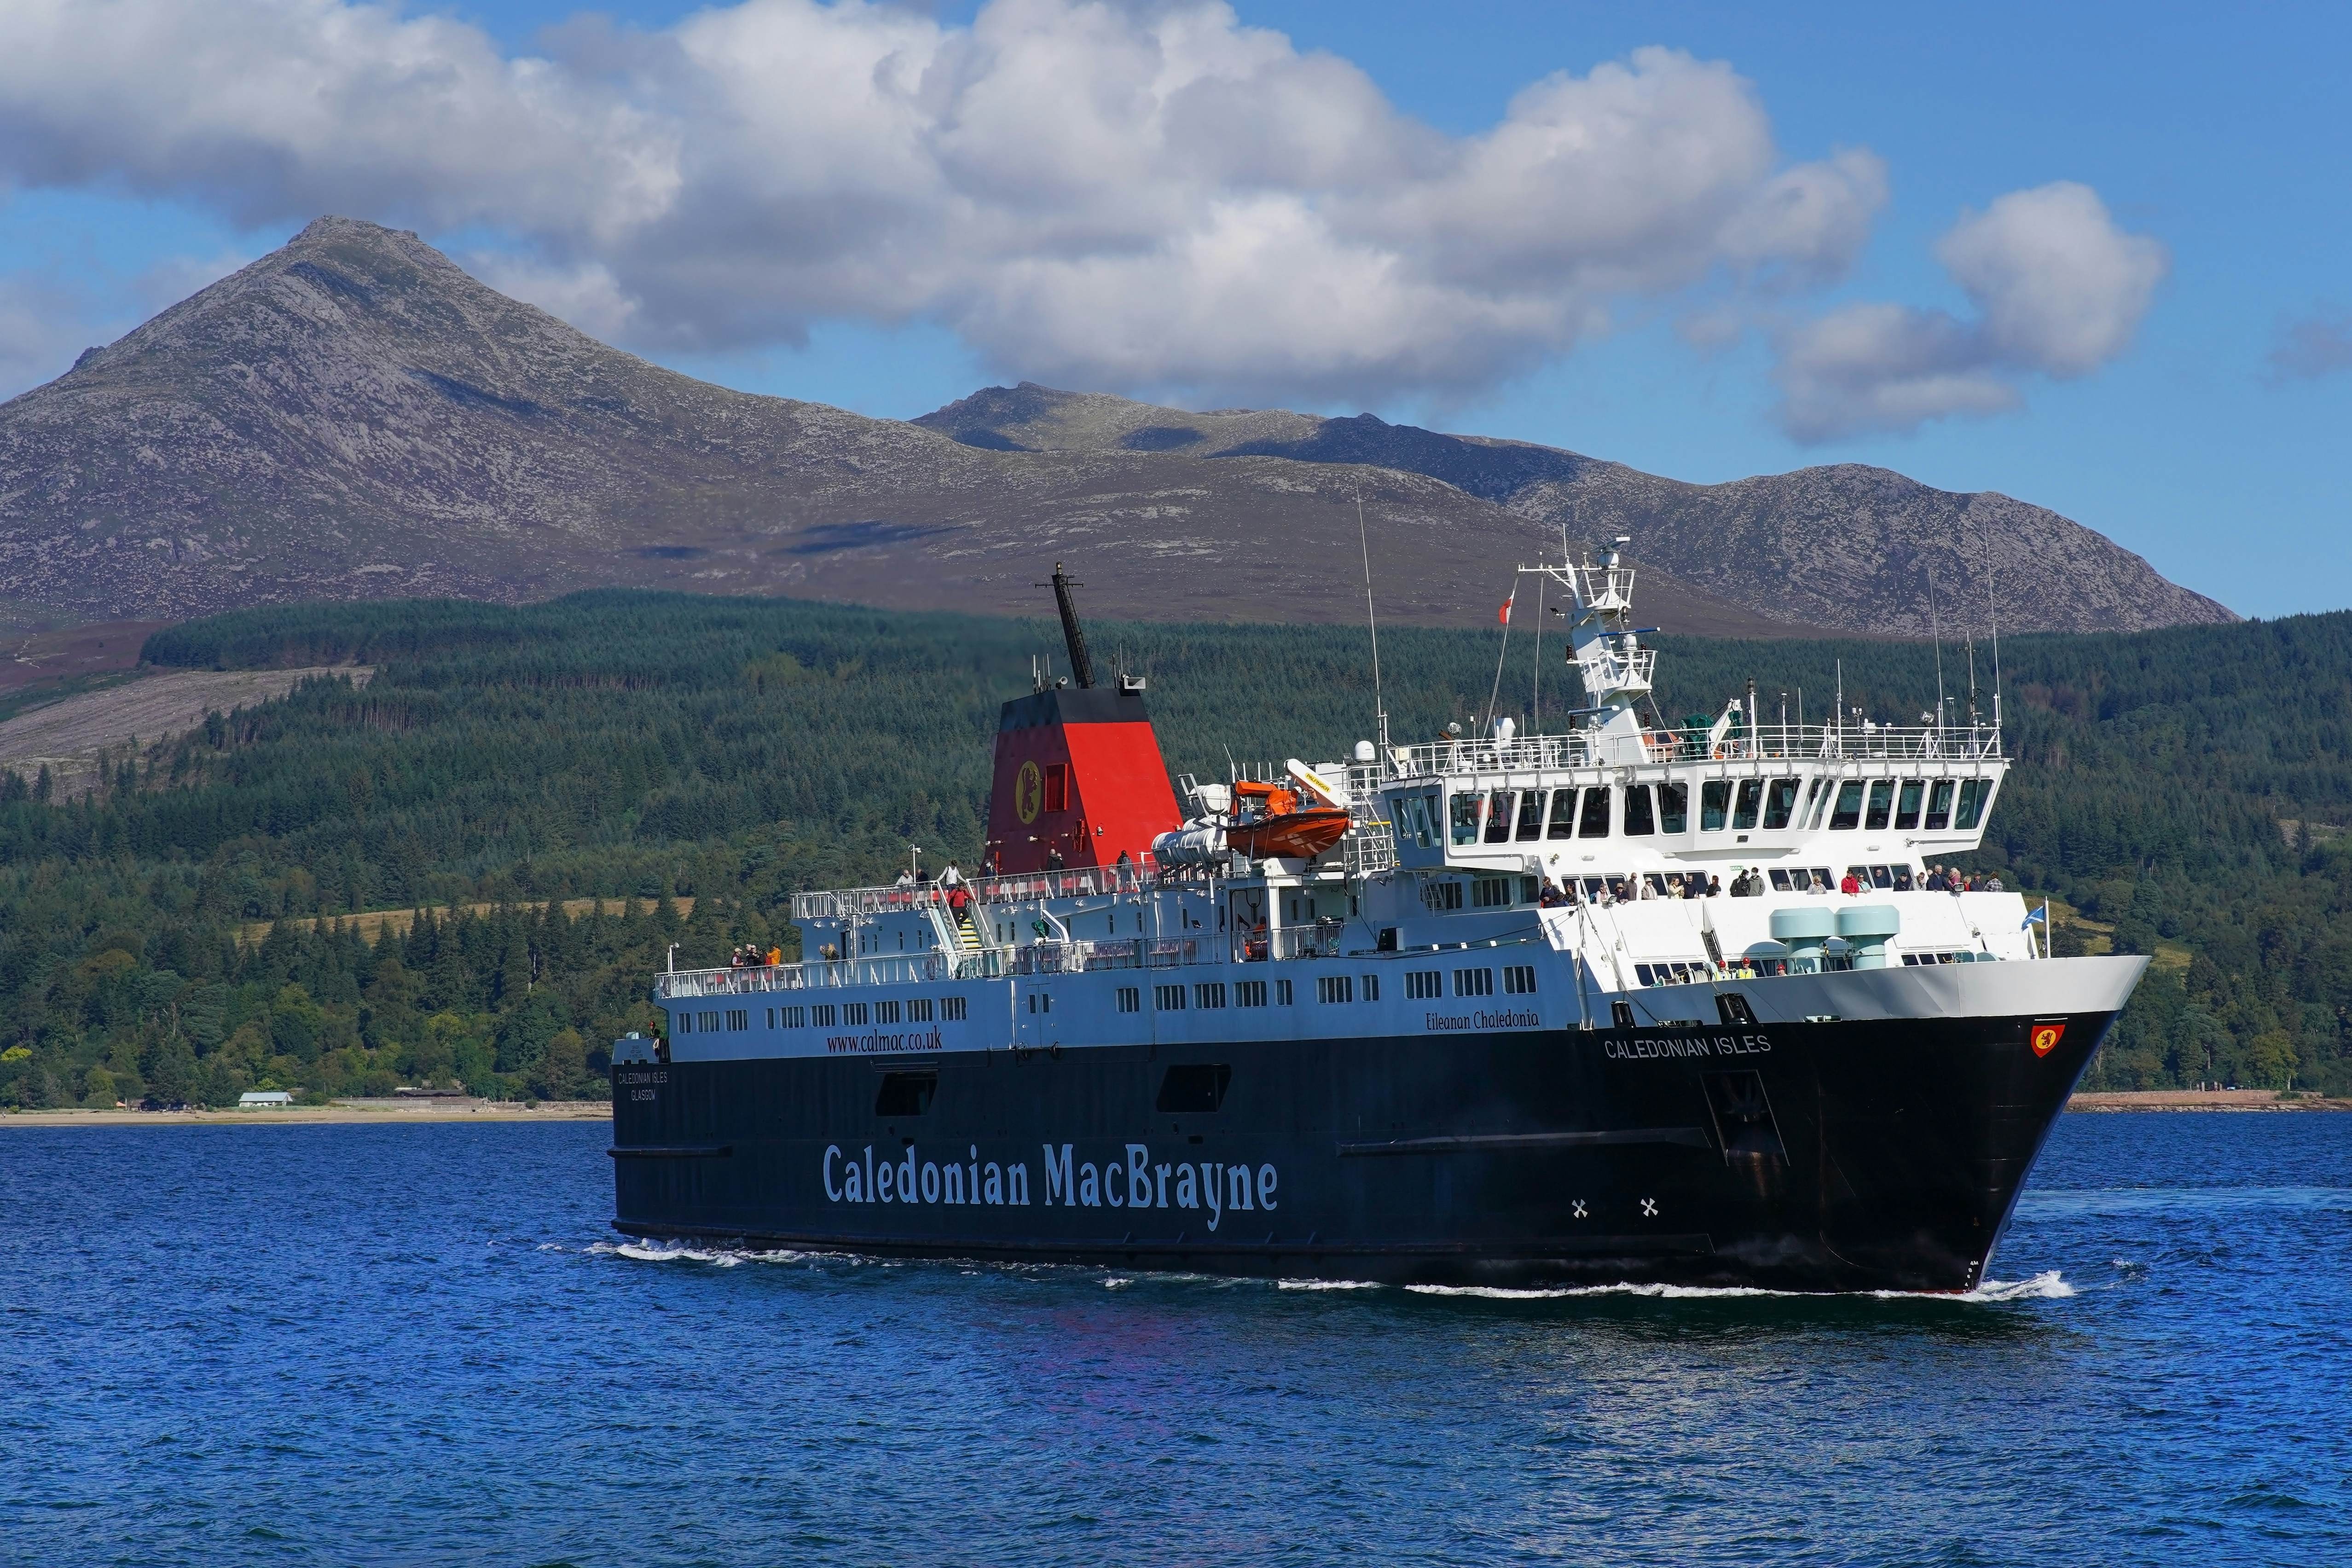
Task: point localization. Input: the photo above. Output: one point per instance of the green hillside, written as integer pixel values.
(2179, 789)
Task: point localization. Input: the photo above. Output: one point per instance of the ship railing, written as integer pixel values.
(1369, 848)
(1023, 887)
(1078, 957)
(1771, 742)
(820, 974)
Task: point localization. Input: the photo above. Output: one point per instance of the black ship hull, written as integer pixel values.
(1858, 1156)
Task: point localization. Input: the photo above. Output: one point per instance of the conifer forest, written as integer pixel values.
(546, 799)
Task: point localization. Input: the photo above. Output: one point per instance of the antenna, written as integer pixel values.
(1380, 706)
(1992, 618)
(1935, 628)
(1535, 715)
(1082, 668)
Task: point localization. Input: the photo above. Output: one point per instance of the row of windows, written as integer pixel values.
(1644, 811)
(829, 1015)
(1212, 994)
(1428, 984)
(1518, 980)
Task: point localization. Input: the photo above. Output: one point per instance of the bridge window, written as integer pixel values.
(1473, 982)
(1424, 985)
(1594, 822)
(1973, 795)
(1498, 816)
(1940, 806)
(1674, 808)
(1751, 800)
(1847, 814)
(1882, 799)
(1563, 815)
(1779, 804)
(1907, 804)
(1057, 787)
(1815, 793)
(1531, 805)
(1639, 822)
(1465, 818)
(1713, 805)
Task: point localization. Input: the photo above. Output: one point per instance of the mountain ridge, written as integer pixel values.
(353, 416)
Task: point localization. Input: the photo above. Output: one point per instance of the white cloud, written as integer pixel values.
(1140, 196)
(2059, 290)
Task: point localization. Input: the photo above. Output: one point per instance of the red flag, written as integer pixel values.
(1504, 614)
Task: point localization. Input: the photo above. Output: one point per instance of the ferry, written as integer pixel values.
(1621, 1001)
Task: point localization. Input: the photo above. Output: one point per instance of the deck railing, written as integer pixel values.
(1087, 882)
(1770, 742)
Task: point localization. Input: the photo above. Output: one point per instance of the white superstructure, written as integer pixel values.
(1577, 879)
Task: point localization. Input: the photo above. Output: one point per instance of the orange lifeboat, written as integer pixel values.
(1272, 820)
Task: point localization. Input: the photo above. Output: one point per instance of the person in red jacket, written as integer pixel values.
(1851, 886)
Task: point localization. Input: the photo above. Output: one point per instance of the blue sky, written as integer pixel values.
(2204, 156)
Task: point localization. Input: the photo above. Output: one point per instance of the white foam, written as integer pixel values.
(718, 1258)
(1327, 1284)
(2046, 1286)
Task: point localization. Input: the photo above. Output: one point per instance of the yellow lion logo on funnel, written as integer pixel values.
(1028, 793)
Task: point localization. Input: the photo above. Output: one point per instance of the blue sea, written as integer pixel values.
(335, 1344)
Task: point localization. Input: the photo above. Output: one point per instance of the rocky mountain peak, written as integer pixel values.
(353, 415)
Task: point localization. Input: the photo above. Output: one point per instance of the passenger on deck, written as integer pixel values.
(1743, 884)
(1715, 887)
(775, 956)
(1644, 887)
(1550, 898)
(906, 877)
(951, 877)
(1851, 886)
(1053, 860)
(1992, 884)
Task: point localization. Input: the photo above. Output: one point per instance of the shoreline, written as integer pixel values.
(403, 1112)
(2200, 1100)
(339, 1112)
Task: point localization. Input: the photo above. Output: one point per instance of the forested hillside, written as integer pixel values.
(2179, 789)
